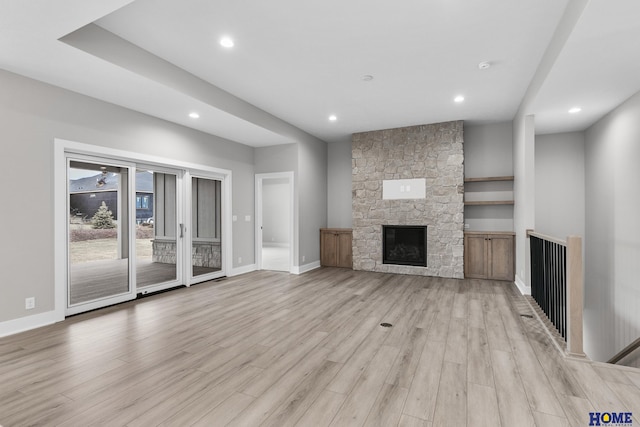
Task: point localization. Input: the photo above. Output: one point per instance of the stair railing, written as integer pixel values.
(557, 284)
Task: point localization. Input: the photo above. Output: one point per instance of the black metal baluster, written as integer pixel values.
(549, 280)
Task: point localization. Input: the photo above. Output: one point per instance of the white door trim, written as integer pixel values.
(260, 177)
(130, 218)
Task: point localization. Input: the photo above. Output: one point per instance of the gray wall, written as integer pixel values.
(612, 238)
(277, 158)
(339, 198)
(32, 114)
(283, 158)
(312, 198)
(488, 151)
(560, 184)
(308, 160)
(276, 211)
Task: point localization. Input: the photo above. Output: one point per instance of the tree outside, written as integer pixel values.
(103, 218)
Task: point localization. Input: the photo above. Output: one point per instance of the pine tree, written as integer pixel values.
(103, 218)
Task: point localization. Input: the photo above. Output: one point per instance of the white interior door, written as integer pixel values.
(274, 221)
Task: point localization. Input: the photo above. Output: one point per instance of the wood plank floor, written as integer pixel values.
(273, 349)
(105, 278)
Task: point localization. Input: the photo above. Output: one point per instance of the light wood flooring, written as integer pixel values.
(275, 258)
(104, 278)
(273, 349)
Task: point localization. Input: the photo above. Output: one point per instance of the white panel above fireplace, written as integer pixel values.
(394, 189)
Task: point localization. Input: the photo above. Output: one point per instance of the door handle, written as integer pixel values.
(181, 231)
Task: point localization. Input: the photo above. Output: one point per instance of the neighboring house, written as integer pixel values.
(87, 194)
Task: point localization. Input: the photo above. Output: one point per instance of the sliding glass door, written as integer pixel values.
(206, 229)
(135, 229)
(158, 243)
(98, 224)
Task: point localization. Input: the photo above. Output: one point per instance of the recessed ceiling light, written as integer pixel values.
(194, 115)
(226, 42)
(575, 110)
(484, 65)
(332, 118)
(459, 98)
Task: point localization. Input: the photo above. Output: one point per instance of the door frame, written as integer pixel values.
(260, 177)
(131, 212)
(180, 215)
(190, 279)
(62, 147)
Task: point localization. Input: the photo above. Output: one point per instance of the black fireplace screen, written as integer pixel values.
(404, 245)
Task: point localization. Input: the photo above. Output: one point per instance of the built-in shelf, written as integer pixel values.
(489, 178)
(489, 202)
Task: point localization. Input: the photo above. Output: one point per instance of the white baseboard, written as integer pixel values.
(22, 324)
(304, 268)
(522, 287)
(243, 270)
(274, 245)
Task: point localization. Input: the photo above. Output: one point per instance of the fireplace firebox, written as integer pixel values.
(404, 245)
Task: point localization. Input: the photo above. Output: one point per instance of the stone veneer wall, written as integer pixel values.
(203, 254)
(433, 152)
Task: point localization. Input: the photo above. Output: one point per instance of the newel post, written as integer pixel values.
(575, 289)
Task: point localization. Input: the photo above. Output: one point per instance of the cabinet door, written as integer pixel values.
(501, 256)
(329, 249)
(344, 258)
(475, 256)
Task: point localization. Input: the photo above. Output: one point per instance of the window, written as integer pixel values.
(142, 202)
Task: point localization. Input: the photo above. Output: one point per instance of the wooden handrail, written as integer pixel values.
(625, 352)
(546, 237)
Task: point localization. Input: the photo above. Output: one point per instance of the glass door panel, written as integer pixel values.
(98, 233)
(206, 236)
(157, 252)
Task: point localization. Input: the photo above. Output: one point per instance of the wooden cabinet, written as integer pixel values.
(489, 255)
(335, 247)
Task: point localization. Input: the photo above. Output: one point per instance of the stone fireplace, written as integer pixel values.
(430, 153)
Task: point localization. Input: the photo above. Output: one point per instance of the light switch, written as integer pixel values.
(247, 218)
(235, 218)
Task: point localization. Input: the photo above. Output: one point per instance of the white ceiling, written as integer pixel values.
(296, 62)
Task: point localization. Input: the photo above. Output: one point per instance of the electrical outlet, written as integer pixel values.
(466, 226)
(239, 260)
(30, 303)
